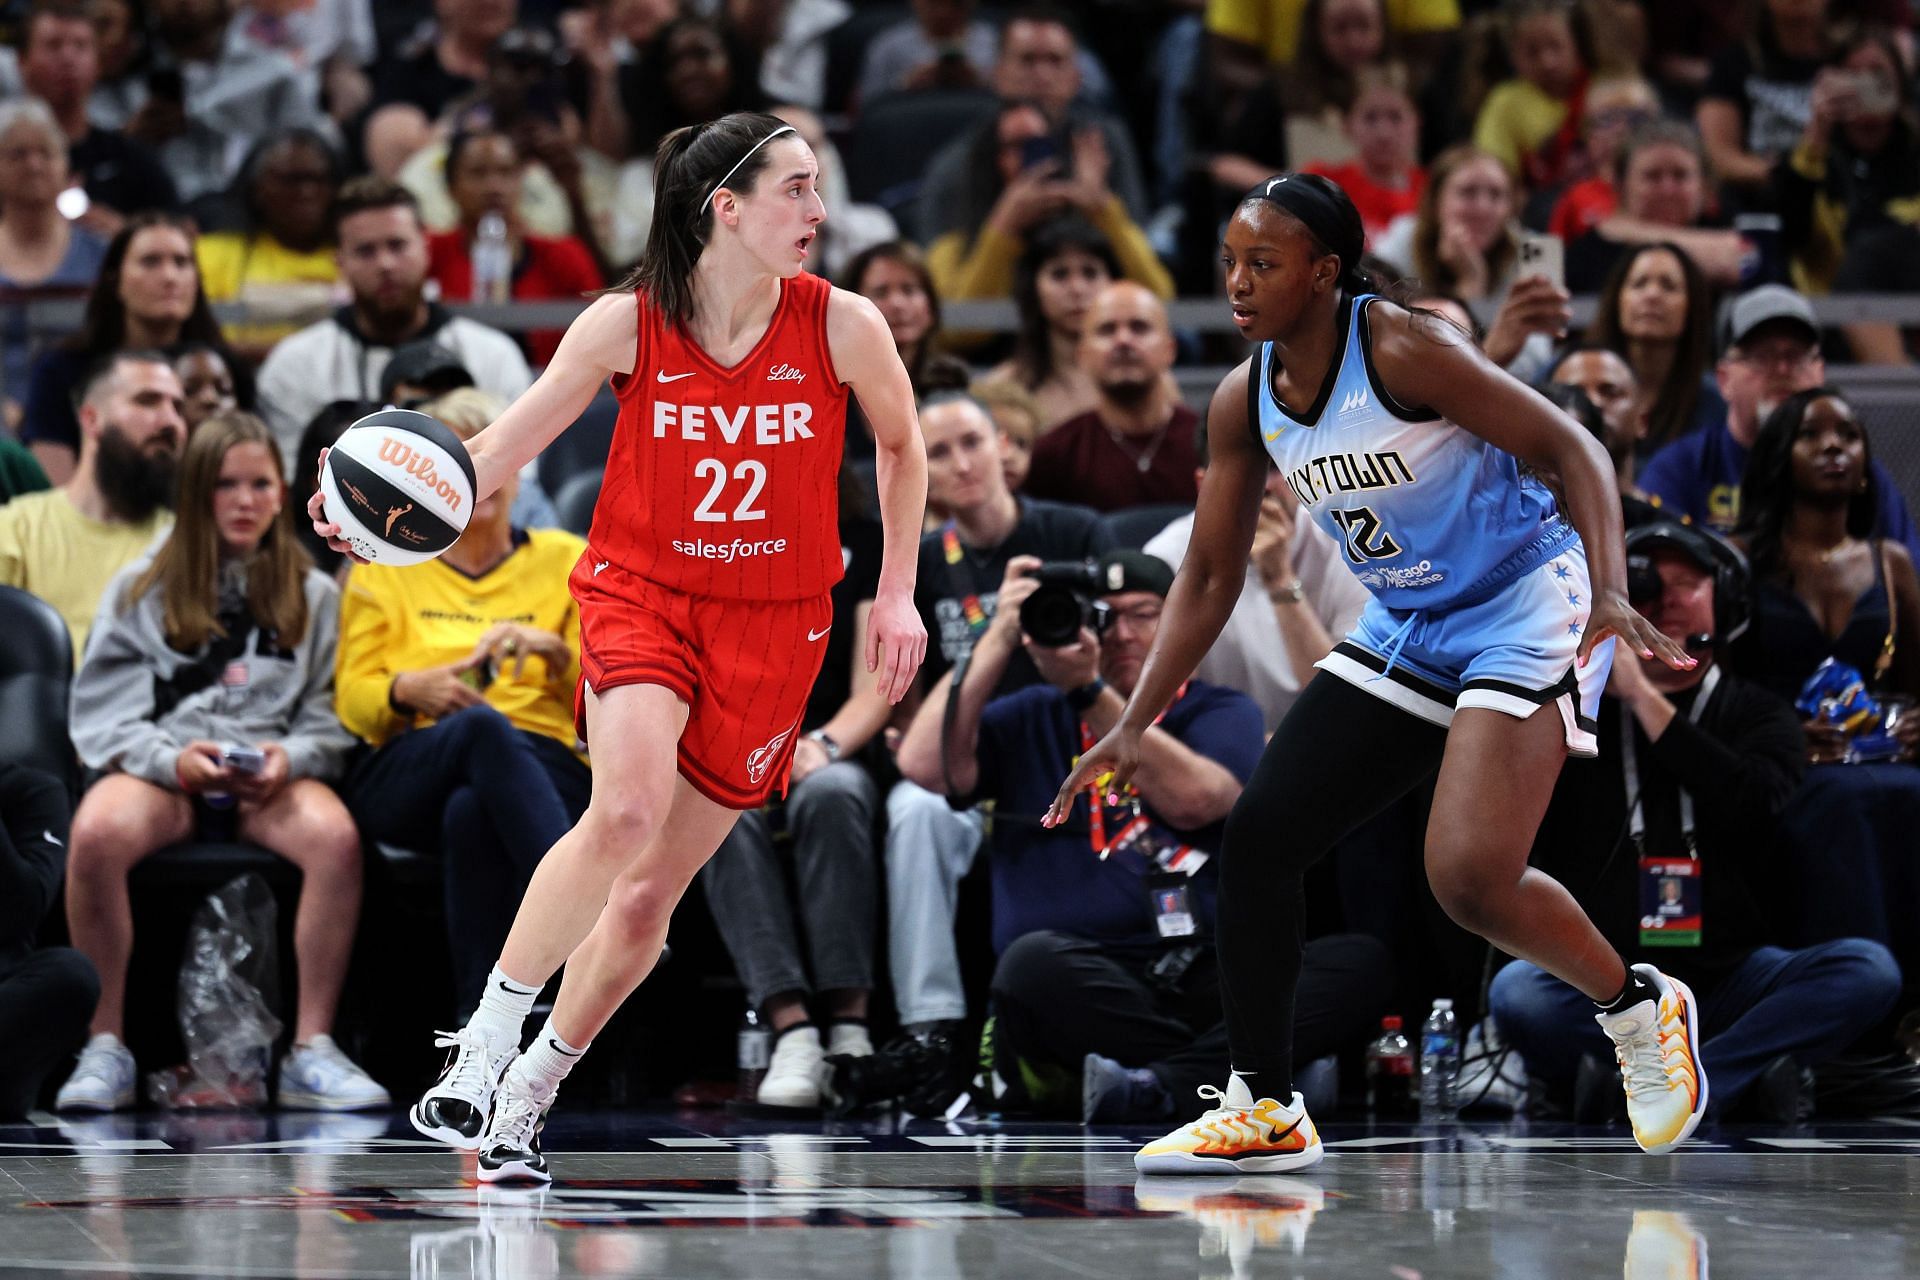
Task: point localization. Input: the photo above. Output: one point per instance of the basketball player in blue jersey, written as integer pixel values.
(1481, 656)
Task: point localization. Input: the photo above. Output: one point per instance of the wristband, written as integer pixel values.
(1086, 695)
(1293, 593)
(827, 744)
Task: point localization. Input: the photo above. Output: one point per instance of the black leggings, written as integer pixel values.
(1339, 758)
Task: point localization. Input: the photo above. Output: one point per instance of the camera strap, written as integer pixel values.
(1630, 762)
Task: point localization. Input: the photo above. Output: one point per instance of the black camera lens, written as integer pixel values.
(1053, 616)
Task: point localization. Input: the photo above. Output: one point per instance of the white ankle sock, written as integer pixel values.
(547, 1060)
(504, 1007)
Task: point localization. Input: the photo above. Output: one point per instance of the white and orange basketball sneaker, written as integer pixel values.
(1658, 1045)
(1240, 1135)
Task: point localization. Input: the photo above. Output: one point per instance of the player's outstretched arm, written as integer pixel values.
(1423, 362)
(864, 354)
(600, 342)
(1204, 590)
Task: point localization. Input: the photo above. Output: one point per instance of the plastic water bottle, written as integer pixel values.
(753, 1047)
(1390, 1071)
(492, 260)
(1439, 1063)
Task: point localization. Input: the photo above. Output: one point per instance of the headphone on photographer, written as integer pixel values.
(1732, 578)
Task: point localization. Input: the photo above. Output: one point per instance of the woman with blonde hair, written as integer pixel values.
(460, 674)
(206, 700)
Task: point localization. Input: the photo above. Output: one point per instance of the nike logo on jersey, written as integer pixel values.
(52, 839)
(597, 568)
(664, 376)
(815, 635)
(1275, 433)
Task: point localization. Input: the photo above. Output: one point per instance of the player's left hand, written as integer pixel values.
(1613, 616)
(895, 633)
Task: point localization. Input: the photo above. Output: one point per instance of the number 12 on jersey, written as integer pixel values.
(1366, 538)
(750, 472)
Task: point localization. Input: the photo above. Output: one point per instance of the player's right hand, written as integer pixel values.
(317, 511)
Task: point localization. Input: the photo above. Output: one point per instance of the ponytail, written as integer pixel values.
(690, 166)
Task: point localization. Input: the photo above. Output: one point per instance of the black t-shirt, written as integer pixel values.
(121, 174)
(861, 544)
(418, 78)
(1775, 96)
(1049, 530)
(34, 813)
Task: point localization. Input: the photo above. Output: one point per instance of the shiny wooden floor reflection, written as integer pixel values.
(656, 1194)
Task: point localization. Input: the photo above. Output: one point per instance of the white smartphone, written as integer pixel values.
(244, 759)
(1543, 255)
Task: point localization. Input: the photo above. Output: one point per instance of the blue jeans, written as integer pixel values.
(1810, 1004)
(491, 799)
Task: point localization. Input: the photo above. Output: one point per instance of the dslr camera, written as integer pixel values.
(1065, 602)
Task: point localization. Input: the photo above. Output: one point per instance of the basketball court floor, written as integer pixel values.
(659, 1194)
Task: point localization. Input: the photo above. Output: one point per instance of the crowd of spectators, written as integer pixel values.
(282, 210)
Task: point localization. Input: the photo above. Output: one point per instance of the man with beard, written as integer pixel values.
(65, 544)
(1136, 445)
(382, 248)
(1770, 348)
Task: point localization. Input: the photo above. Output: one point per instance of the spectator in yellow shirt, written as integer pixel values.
(1533, 121)
(461, 673)
(1248, 39)
(65, 544)
(280, 260)
(1026, 172)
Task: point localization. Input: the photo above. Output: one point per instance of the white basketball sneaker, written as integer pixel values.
(510, 1148)
(455, 1110)
(317, 1076)
(1240, 1135)
(1658, 1045)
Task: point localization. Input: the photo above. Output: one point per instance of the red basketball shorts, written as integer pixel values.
(744, 667)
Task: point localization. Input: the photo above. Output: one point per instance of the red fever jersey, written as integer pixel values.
(724, 482)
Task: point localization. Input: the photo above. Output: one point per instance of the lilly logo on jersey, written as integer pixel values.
(785, 373)
(1353, 402)
(420, 467)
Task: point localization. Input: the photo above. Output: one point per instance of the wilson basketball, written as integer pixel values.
(400, 486)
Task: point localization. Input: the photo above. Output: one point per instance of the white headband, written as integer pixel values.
(785, 128)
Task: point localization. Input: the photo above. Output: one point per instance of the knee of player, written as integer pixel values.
(1468, 889)
(620, 825)
(640, 906)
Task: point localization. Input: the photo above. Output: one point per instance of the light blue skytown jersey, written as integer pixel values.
(1429, 515)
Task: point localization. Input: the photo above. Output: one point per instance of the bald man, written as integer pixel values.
(1135, 446)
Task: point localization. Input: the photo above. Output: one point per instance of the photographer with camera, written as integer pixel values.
(1669, 843)
(964, 568)
(1102, 925)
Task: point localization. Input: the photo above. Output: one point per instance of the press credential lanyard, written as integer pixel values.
(1629, 756)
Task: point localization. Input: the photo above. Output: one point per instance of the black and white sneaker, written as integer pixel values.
(455, 1109)
(510, 1151)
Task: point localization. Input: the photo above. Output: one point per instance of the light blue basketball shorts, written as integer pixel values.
(1513, 652)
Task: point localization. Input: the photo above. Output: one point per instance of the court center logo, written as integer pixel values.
(761, 758)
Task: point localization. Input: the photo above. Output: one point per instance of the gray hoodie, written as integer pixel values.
(137, 703)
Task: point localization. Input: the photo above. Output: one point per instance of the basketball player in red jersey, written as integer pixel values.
(703, 592)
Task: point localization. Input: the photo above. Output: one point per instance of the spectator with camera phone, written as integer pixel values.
(206, 702)
(1670, 845)
(1101, 925)
(965, 566)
